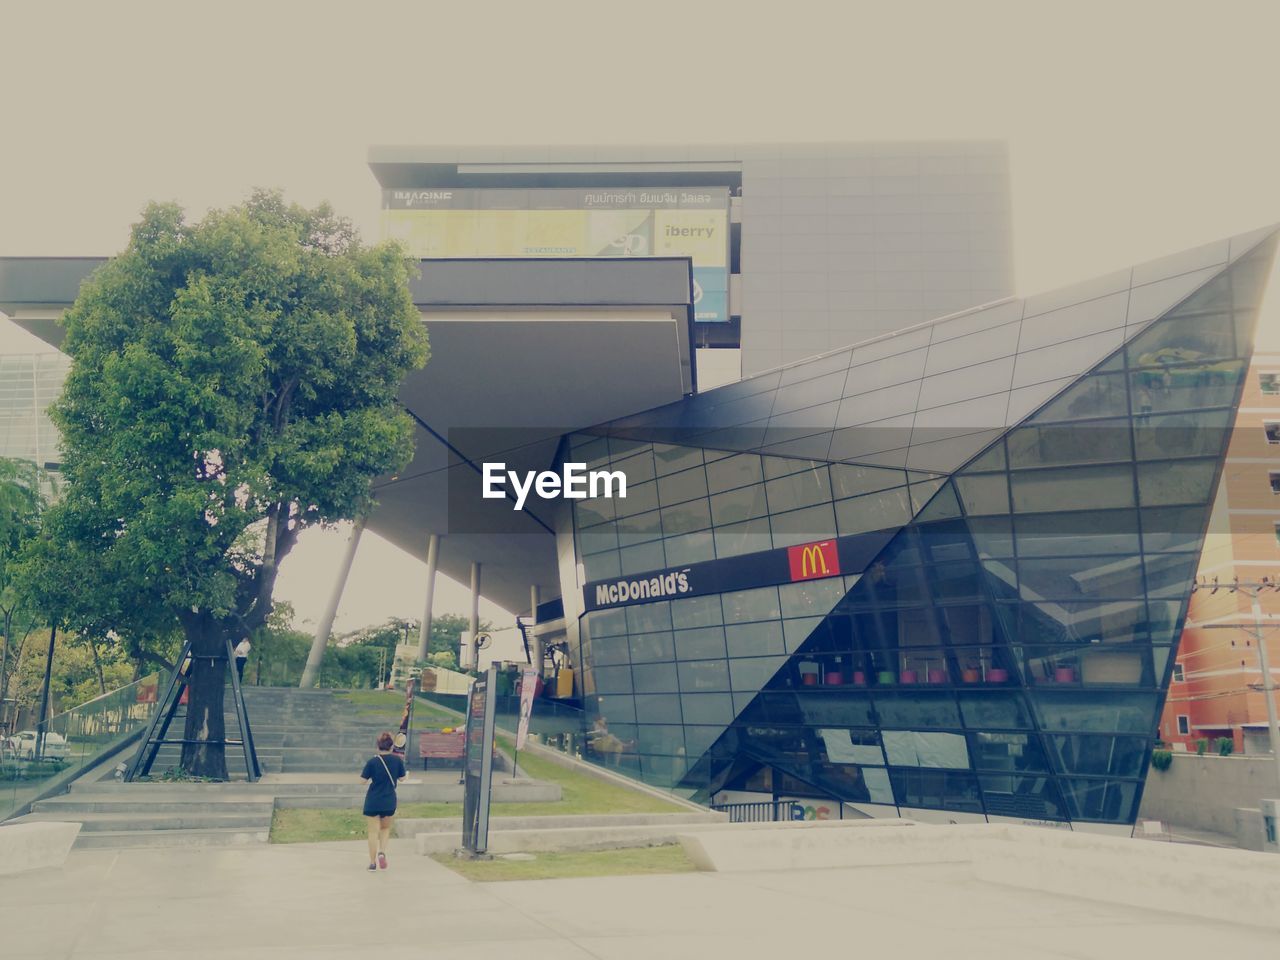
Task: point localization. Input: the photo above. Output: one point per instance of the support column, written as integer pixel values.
(311, 673)
(535, 648)
(473, 657)
(424, 634)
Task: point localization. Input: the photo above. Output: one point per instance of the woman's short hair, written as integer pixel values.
(385, 740)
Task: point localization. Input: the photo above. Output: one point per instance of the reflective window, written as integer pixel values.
(690, 548)
(698, 675)
(803, 526)
(918, 748)
(745, 503)
(874, 511)
(671, 459)
(753, 674)
(1098, 756)
(679, 487)
(851, 481)
(640, 498)
(1093, 441)
(643, 558)
(984, 493)
(754, 639)
(1011, 752)
(745, 605)
(1028, 798)
(1182, 434)
(742, 538)
(695, 612)
(700, 643)
(917, 710)
(657, 708)
(1105, 800)
(1085, 711)
(810, 597)
(936, 789)
(1179, 481)
(654, 677)
(695, 515)
(706, 707)
(1099, 395)
(995, 710)
(798, 490)
(652, 646)
(1177, 340)
(645, 617)
(1075, 488)
(1185, 386)
(736, 471)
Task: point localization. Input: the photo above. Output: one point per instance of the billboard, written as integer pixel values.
(692, 222)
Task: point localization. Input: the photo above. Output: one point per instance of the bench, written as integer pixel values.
(441, 747)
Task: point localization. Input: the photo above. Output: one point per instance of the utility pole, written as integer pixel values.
(1253, 589)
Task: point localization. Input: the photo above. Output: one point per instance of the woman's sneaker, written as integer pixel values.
(373, 866)
(382, 860)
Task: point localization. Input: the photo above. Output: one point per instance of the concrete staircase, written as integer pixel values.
(295, 731)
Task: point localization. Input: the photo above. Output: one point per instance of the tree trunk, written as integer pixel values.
(97, 662)
(4, 669)
(204, 754)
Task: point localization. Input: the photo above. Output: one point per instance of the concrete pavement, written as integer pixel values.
(316, 901)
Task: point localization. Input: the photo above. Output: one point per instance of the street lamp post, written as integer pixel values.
(1253, 590)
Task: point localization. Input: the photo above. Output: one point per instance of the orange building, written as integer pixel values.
(1217, 679)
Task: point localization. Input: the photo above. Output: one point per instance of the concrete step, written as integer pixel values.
(116, 822)
(409, 827)
(75, 804)
(572, 838)
(118, 839)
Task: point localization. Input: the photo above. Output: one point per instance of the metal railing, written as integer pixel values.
(31, 767)
(760, 811)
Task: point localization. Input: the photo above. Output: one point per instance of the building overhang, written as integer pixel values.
(522, 352)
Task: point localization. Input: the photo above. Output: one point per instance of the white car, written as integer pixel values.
(24, 744)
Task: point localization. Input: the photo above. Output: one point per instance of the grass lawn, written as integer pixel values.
(389, 704)
(553, 866)
(580, 794)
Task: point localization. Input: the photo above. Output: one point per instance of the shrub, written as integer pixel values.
(1201, 746)
(1161, 759)
(1225, 746)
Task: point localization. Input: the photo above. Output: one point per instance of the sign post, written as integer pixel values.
(528, 687)
(478, 768)
(401, 742)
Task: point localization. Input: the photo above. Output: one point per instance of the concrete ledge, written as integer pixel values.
(1234, 886)
(29, 846)
(453, 825)
(816, 845)
(565, 838)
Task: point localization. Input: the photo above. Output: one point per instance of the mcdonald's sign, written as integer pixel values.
(810, 561)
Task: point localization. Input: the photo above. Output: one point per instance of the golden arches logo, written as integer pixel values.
(813, 561)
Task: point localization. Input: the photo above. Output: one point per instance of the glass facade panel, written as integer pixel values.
(998, 634)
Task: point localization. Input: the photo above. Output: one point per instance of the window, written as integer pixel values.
(1177, 673)
(1272, 429)
(1270, 383)
(1275, 481)
(1277, 526)
(1184, 725)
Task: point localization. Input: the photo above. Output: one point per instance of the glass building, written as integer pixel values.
(940, 573)
(29, 382)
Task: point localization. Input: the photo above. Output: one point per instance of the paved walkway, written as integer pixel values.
(317, 902)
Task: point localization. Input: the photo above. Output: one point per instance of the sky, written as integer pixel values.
(1135, 128)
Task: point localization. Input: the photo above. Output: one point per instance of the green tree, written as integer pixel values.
(232, 383)
(21, 505)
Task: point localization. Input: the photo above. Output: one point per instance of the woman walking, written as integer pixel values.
(381, 772)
